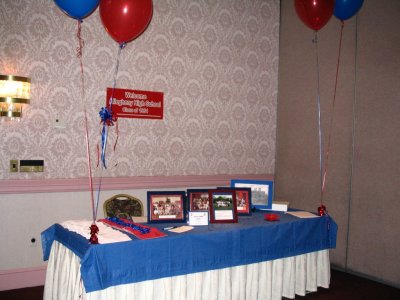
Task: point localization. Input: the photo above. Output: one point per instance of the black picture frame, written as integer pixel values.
(198, 200)
(166, 206)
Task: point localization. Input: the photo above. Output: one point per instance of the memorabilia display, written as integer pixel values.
(166, 206)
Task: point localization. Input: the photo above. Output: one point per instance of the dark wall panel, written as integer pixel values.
(362, 191)
(374, 244)
(298, 175)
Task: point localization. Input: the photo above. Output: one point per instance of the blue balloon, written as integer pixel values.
(345, 9)
(77, 9)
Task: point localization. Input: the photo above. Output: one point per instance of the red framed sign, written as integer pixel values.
(136, 103)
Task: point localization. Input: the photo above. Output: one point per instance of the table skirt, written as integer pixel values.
(267, 280)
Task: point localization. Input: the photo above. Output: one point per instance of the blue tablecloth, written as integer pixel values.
(215, 246)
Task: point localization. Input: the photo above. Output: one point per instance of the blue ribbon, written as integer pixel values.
(106, 116)
(107, 120)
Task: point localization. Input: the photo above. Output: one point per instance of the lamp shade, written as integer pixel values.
(14, 93)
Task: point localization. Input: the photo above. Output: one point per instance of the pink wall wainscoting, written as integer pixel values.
(23, 186)
(21, 278)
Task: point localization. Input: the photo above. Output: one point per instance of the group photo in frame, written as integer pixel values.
(223, 206)
(261, 191)
(198, 199)
(243, 200)
(166, 206)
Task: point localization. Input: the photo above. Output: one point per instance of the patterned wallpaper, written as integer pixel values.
(216, 61)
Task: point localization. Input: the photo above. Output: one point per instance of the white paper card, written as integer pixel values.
(198, 218)
(181, 229)
(302, 214)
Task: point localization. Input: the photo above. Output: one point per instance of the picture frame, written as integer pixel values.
(198, 200)
(223, 206)
(243, 200)
(166, 206)
(261, 191)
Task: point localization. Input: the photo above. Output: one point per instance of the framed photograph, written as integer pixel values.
(223, 206)
(261, 191)
(166, 206)
(198, 200)
(243, 200)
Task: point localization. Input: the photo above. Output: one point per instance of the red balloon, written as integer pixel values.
(125, 20)
(314, 13)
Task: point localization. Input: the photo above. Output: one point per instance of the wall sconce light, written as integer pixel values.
(14, 94)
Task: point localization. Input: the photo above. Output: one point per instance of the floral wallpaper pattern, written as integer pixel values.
(216, 61)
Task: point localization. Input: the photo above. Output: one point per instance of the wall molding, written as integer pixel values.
(22, 278)
(26, 186)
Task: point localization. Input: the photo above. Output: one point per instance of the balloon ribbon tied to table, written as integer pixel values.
(124, 20)
(315, 14)
(79, 10)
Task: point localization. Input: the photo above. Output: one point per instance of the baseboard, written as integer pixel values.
(22, 278)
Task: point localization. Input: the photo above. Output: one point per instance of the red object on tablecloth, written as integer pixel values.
(271, 217)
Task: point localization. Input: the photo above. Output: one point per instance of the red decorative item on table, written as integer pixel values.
(93, 234)
(271, 217)
(322, 210)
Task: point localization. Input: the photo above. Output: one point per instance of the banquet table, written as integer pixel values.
(251, 259)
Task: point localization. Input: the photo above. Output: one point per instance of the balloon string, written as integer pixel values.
(98, 192)
(108, 111)
(117, 131)
(104, 134)
(121, 46)
(319, 109)
(332, 111)
(81, 44)
(79, 52)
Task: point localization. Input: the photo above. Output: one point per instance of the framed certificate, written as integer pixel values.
(223, 206)
(198, 218)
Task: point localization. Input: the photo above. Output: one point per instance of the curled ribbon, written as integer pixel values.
(79, 53)
(81, 42)
(107, 119)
